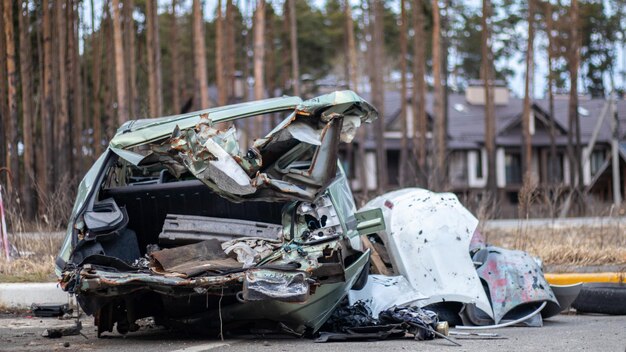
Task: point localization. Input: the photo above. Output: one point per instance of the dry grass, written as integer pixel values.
(580, 246)
(33, 258)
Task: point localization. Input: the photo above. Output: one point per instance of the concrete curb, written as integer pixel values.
(22, 295)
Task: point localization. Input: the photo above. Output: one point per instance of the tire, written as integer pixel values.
(603, 298)
(361, 281)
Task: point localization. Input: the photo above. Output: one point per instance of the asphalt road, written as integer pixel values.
(561, 333)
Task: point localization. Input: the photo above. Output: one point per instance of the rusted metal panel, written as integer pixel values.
(193, 259)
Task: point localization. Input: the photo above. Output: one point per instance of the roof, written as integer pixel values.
(466, 121)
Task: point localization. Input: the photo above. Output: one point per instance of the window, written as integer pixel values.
(596, 160)
(513, 166)
(479, 164)
(555, 167)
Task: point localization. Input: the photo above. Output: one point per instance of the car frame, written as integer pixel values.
(312, 264)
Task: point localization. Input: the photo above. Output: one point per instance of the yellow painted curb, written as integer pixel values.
(574, 278)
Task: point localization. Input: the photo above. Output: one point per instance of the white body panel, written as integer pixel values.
(428, 236)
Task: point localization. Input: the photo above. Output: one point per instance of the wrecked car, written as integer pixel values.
(432, 241)
(178, 222)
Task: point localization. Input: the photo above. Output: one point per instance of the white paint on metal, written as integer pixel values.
(427, 237)
(382, 292)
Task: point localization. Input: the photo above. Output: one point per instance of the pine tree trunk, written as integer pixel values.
(26, 68)
(73, 68)
(61, 137)
(201, 90)
(259, 56)
(527, 148)
(552, 164)
(130, 58)
(231, 54)
(420, 120)
(219, 56)
(440, 133)
(176, 66)
(155, 99)
(404, 149)
(47, 108)
(490, 118)
(378, 94)
(12, 156)
(97, 42)
(573, 104)
(353, 76)
(293, 45)
(259, 49)
(120, 71)
(4, 109)
(269, 65)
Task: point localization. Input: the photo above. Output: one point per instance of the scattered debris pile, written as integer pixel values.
(356, 322)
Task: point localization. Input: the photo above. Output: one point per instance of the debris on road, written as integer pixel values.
(355, 322)
(58, 332)
(50, 310)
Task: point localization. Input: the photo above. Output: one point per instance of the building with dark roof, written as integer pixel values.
(467, 164)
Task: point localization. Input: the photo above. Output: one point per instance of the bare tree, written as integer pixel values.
(176, 67)
(201, 90)
(420, 120)
(490, 118)
(12, 79)
(440, 132)
(120, 78)
(27, 109)
(155, 97)
(293, 45)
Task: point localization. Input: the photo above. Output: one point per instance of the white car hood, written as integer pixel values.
(427, 237)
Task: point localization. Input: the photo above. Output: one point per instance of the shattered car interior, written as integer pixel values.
(178, 222)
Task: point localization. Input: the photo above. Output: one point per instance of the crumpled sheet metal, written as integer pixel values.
(382, 292)
(265, 171)
(428, 236)
(193, 259)
(250, 250)
(514, 278)
(107, 282)
(264, 284)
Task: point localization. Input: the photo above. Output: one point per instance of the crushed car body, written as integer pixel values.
(432, 241)
(177, 222)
